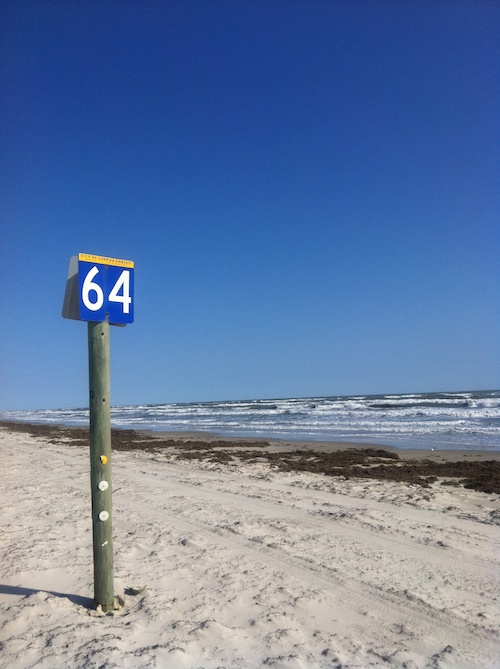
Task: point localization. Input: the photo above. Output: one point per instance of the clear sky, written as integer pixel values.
(309, 190)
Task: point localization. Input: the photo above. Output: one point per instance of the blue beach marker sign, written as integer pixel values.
(100, 289)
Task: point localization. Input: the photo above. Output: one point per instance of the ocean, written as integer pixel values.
(446, 420)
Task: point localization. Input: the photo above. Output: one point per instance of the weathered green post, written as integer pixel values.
(100, 463)
(100, 290)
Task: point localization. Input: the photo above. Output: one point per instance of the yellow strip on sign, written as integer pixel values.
(101, 260)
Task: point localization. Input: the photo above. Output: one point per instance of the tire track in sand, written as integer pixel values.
(249, 499)
(391, 610)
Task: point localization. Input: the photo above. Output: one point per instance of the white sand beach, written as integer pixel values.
(244, 567)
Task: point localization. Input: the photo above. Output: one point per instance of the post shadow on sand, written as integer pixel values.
(86, 602)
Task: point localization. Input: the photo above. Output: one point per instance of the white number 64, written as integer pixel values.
(89, 286)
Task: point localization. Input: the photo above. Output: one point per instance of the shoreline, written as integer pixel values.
(416, 421)
(478, 470)
(277, 444)
(272, 444)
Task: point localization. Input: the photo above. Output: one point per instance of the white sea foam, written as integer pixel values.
(462, 420)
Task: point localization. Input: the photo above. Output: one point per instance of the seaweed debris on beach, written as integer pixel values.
(355, 462)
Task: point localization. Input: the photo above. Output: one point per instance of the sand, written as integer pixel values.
(245, 564)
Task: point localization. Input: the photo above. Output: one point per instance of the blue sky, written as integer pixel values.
(309, 190)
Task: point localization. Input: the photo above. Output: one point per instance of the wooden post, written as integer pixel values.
(100, 463)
